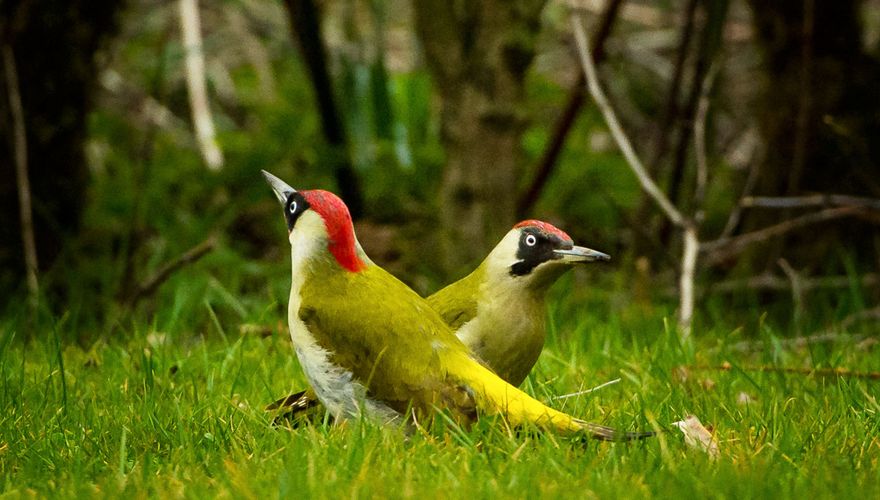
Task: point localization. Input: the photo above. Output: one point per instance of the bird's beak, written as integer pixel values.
(281, 189)
(581, 254)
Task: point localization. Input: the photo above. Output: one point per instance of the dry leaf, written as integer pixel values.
(867, 344)
(681, 374)
(155, 339)
(744, 398)
(697, 436)
(707, 384)
(255, 329)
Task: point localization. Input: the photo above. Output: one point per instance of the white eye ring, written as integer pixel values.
(531, 240)
(292, 207)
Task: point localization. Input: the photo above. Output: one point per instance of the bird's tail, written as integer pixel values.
(296, 409)
(295, 403)
(494, 396)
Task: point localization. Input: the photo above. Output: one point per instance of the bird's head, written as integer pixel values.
(318, 222)
(535, 253)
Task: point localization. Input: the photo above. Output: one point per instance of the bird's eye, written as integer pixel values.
(292, 207)
(531, 240)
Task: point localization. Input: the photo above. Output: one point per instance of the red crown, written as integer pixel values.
(337, 220)
(544, 226)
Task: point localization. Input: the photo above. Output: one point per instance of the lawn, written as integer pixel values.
(173, 407)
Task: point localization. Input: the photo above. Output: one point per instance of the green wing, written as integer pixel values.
(457, 303)
(385, 334)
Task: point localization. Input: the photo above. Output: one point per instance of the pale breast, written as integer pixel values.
(337, 389)
(508, 339)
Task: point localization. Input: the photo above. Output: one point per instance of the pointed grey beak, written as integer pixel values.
(280, 188)
(581, 254)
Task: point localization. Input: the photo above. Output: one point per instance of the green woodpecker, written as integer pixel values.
(370, 346)
(498, 310)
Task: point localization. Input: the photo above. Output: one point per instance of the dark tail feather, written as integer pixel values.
(603, 433)
(293, 410)
(295, 403)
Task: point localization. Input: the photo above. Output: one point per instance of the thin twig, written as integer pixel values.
(700, 139)
(726, 248)
(794, 343)
(691, 241)
(705, 51)
(149, 285)
(838, 335)
(638, 228)
(587, 391)
(691, 249)
(873, 313)
(647, 16)
(562, 127)
(669, 121)
(810, 201)
(150, 100)
(797, 291)
(190, 28)
(673, 93)
(778, 284)
(736, 213)
(21, 176)
(305, 24)
(821, 372)
(615, 128)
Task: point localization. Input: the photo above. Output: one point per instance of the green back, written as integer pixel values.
(457, 303)
(385, 334)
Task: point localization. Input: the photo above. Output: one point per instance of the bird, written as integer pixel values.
(498, 310)
(371, 347)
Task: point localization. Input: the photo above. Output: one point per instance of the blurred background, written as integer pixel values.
(134, 133)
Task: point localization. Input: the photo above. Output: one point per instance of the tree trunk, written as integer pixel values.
(478, 54)
(54, 45)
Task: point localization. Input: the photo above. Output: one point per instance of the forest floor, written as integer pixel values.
(177, 411)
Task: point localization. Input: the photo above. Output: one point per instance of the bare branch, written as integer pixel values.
(873, 313)
(810, 201)
(736, 214)
(700, 137)
(821, 372)
(691, 242)
(667, 123)
(837, 335)
(773, 283)
(149, 285)
(563, 125)
(794, 343)
(686, 280)
(21, 176)
(725, 248)
(614, 126)
(648, 16)
(190, 28)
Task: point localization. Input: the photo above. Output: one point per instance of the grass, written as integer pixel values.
(174, 409)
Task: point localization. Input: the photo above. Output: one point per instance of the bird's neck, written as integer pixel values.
(312, 259)
(500, 294)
